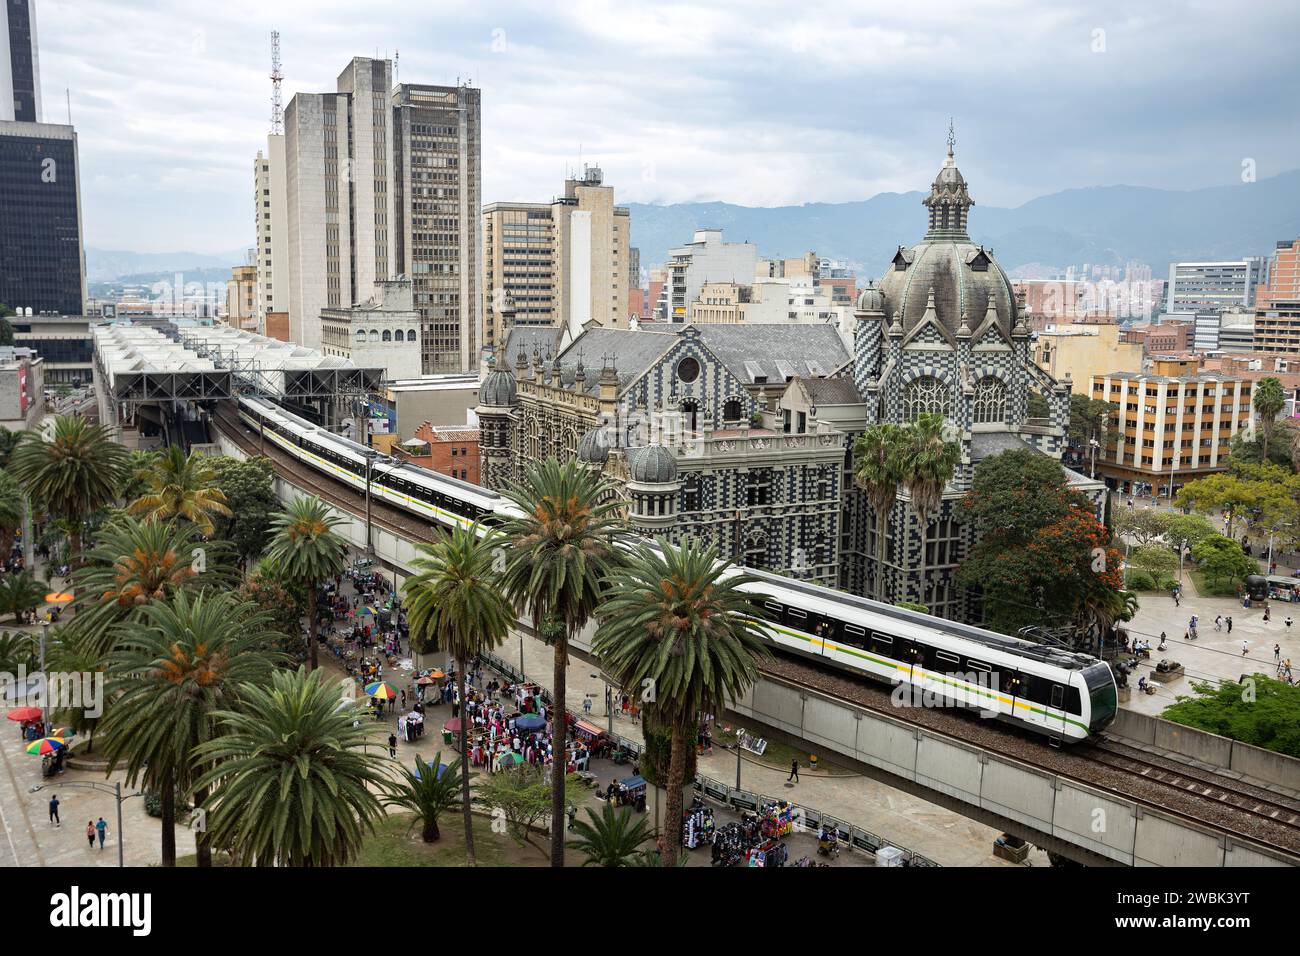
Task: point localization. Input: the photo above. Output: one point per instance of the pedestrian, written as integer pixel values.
(1218, 622)
(794, 771)
(1287, 622)
(1277, 653)
(1244, 644)
(101, 828)
(90, 833)
(54, 810)
(1266, 613)
(1229, 625)
(586, 705)
(392, 745)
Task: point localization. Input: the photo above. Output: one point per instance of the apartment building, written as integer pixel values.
(563, 263)
(241, 298)
(1172, 425)
(271, 229)
(706, 258)
(1277, 303)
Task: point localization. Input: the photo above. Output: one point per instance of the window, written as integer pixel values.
(990, 400)
(756, 550)
(388, 336)
(926, 394)
(732, 411)
(688, 370)
(691, 493)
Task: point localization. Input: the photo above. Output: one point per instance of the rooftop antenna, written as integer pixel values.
(952, 136)
(68, 91)
(397, 66)
(277, 110)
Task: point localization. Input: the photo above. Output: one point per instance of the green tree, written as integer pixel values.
(182, 486)
(454, 603)
(139, 465)
(523, 796)
(6, 331)
(21, 594)
(562, 549)
(13, 511)
(428, 794)
(291, 782)
(170, 676)
(74, 474)
(677, 621)
(308, 552)
(877, 469)
(610, 838)
(1191, 528)
(1089, 421)
(1155, 560)
(1223, 559)
(263, 586)
(1143, 525)
(249, 489)
(1261, 712)
(1218, 492)
(927, 466)
(1269, 399)
(8, 442)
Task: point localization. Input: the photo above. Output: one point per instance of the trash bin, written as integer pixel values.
(446, 737)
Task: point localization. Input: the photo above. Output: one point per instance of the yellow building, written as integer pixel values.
(1085, 350)
(1171, 426)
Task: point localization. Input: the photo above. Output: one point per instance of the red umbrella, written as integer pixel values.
(25, 713)
(453, 724)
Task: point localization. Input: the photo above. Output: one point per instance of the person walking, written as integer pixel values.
(794, 771)
(1277, 653)
(54, 810)
(1287, 622)
(101, 830)
(1218, 622)
(392, 745)
(1244, 645)
(1229, 625)
(586, 705)
(90, 833)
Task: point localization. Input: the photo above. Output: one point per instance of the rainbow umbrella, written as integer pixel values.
(365, 611)
(46, 745)
(381, 689)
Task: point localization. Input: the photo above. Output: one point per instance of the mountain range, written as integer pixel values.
(1109, 225)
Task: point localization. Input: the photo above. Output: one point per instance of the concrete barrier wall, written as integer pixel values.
(1267, 766)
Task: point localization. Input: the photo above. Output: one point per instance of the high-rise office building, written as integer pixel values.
(706, 258)
(1214, 286)
(380, 183)
(42, 266)
(271, 229)
(20, 70)
(565, 263)
(437, 183)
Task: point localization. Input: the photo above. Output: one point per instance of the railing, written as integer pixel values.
(807, 818)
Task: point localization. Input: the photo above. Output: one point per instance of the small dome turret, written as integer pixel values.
(652, 464)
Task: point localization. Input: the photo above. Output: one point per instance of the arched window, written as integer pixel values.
(926, 394)
(374, 335)
(691, 493)
(756, 550)
(690, 412)
(399, 336)
(732, 411)
(388, 336)
(410, 335)
(990, 401)
(361, 335)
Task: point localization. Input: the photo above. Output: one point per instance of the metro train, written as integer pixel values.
(1064, 696)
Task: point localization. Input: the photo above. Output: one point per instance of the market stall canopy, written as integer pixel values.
(587, 727)
(530, 722)
(452, 724)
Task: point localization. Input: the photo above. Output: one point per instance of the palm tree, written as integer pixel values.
(72, 475)
(562, 549)
(139, 465)
(677, 621)
(181, 486)
(928, 462)
(453, 602)
(294, 786)
(170, 675)
(877, 461)
(134, 563)
(13, 510)
(428, 793)
(611, 838)
(8, 442)
(1269, 400)
(308, 551)
(20, 593)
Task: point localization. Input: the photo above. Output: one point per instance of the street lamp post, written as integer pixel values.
(740, 735)
(1271, 531)
(45, 680)
(116, 791)
(370, 463)
(1182, 553)
(1095, 444)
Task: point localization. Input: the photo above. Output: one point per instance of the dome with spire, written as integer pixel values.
(593, 447)
(498, 389)
(871, 299)
(652, 464)
(946, 276)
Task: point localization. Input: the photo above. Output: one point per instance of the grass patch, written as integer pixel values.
(778, 754)
(1221, 587)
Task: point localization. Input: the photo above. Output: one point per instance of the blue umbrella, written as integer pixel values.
(442, 768)
(530, 722)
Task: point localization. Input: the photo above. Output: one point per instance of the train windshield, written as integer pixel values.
(1101, 695)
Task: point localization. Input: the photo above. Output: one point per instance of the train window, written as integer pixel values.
(854, 630)
(853, 635)
(1058, 696)
(796, 614)
(1073, 704)
(947, 658)
(774, 608)
(977, 665)
(882, 644)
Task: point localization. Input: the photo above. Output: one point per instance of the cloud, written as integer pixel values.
(749, 101)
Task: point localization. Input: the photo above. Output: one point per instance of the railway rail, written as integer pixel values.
(1238, 810)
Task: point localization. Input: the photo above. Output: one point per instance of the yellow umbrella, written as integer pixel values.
(58, 597)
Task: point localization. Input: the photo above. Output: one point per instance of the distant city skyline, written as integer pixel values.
(737, 102)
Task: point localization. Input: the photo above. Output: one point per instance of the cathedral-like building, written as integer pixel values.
(741, 436)
(944, 332)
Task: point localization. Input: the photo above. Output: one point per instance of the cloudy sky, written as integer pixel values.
(753, 102)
